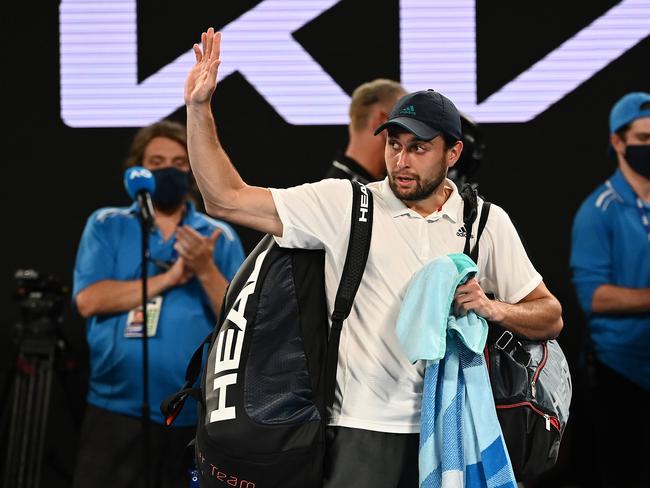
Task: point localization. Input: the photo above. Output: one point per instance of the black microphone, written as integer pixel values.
(140, 184)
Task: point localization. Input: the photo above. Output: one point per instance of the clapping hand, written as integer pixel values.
(196, 250)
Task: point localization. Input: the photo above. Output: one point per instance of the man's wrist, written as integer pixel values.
(199, 108)
(207, 272)
(500, 311)
(165, 280)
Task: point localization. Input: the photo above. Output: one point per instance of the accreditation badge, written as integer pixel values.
(135, 319)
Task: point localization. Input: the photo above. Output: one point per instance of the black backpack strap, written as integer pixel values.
(173, 404)
(469, 193)
(485, 212)
(470, 209)
(355, 264)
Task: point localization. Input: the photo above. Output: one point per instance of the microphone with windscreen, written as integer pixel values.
(140, 184)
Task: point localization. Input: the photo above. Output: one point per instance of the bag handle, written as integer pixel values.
(173, 404)
(355, 264)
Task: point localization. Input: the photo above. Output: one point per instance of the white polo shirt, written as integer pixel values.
(377, 387)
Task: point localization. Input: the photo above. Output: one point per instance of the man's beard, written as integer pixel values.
(422, 190)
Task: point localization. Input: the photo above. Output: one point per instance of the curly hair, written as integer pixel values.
(164, 128)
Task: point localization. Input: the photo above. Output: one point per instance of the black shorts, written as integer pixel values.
(366, 459)
(622, 430)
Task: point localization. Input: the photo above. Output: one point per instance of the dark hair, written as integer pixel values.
(622, 132)
(449, 141)
(165, 128)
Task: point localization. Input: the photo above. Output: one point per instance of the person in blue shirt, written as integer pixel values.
(192, 259)
(610, 262)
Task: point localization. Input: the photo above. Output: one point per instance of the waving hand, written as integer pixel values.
(202, 79)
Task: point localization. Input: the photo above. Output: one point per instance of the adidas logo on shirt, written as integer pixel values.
(462, 232)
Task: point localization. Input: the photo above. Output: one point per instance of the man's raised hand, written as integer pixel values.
(202, 79)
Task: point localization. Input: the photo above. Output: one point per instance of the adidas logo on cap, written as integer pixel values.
(410, 110)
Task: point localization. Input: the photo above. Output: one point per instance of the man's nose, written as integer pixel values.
(402, 159)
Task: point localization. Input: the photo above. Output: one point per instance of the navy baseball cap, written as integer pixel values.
(628, 109)
(425, 114)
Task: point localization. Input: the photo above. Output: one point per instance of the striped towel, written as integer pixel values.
(461, 443)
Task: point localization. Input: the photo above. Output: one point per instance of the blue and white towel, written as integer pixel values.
(461, 443)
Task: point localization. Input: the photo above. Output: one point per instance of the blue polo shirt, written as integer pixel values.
(110, 249)
(610, 246)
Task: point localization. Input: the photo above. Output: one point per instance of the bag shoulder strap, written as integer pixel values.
(358, 250)
(469, 193)
(470, 208)
(355, 264)
(485, 212)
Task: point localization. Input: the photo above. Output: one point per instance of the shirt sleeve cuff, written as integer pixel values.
(288, 231)
(524, 290)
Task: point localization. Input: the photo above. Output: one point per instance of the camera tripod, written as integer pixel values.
(29, 400)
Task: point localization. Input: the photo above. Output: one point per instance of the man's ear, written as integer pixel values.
(617, 143)
(453, 153)
(378, 118)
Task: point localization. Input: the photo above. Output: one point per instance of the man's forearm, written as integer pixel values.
(224, 192)
(112, 296)
(617, 299)
(215, 175)
(540, 318)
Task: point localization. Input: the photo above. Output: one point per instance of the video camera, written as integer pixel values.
(39, 296)
(41, 355)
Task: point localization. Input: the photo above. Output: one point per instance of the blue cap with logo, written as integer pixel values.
(628, 109)
(425, 114)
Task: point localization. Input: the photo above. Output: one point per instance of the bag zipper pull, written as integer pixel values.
(548, 422)
(194, 478)
(533, 388)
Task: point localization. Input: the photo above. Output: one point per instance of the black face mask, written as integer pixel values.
(638, 157)
(172, 185)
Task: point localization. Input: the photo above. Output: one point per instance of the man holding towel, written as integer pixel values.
(374, 425)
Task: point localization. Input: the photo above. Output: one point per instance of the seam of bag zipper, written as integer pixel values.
(541, 365)
(552, 418)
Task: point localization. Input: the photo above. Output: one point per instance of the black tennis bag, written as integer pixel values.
(530, 380)
(271, 367)
(531, 385)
